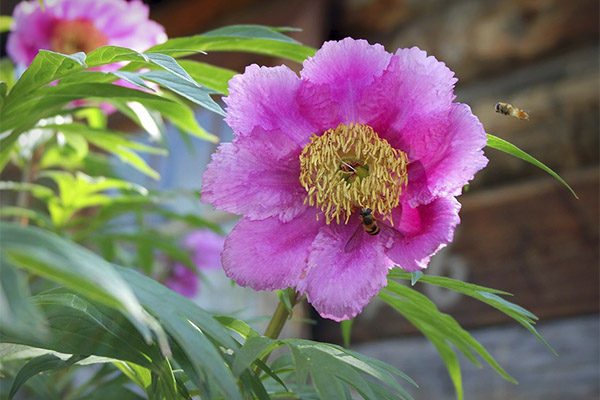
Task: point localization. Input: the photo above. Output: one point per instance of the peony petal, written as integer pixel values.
(338, 283)
(347, 67)
(426, 229)
(206, 247)
(453, 165)
(257, 176)
(183, 280)
(413, 86)
(266, 98)
(269, 254)
(123, 24)
(411, 107)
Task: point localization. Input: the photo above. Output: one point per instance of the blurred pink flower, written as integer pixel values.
(359, 128)
(205, 247)
(69, 26)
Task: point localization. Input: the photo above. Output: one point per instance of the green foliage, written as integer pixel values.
(442, 330)
(502, 145)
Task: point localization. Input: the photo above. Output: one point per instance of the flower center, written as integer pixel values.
(349, 168)
(69, 37)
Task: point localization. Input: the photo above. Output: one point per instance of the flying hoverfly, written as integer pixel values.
(509, 109)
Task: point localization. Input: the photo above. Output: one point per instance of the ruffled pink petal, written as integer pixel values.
(269, 254)
(411, 107)
(456, 163)
(265, 98)
(425, 229)
(413, 86)
(256, 176)
(347, 67)
(339, 283)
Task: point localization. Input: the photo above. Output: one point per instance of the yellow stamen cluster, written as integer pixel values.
(350, 167)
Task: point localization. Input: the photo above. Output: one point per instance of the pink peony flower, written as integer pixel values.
(69, 26)
(205, 247)
(360, 128)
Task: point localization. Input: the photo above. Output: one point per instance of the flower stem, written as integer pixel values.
(281, 315)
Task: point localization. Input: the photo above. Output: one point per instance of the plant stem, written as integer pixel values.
(280, 317)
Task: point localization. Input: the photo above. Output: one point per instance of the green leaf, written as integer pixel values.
(254, 348)
(252, 31)
(112, 54)
(134, 78)
(186, 88)
(51, 256)
(5, 22)
(438, 327)
(486, 295)
(237, 326)
(80, 191)
(334, 369)
(18, 316)
(211, 76)
(45, 68)
(113, 142)
(34, 216)
(191, 327)
(38, 191)
(81, 327)
(7, 73)
(502, 145)
(245, 38)
(43, 363)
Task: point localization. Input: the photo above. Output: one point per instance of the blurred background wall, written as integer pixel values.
(521, 231)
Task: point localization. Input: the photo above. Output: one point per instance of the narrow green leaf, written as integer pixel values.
(18, 316)
(34, 216)
(53, 257)
(237, 326)
(191, 327)
(43, 363)
(439, 328)
(245, 38)
(38, 191)
(115, 143)
(211, 76)
(45, 68)
(254, 348)
(260, 364)
(134, 78)
(79, 326)
(486, 295)
(452, 365)
(186, 88)
(253, 32)
(139, 375)
(502, 145)
(251, 383)
(112, 54)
